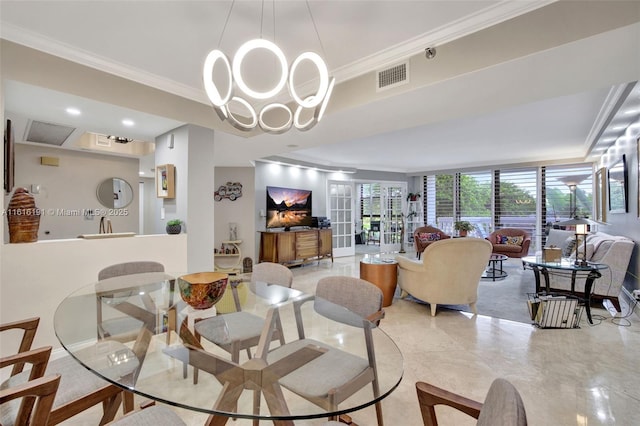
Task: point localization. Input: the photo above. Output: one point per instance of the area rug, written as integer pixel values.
(507, 298)
(503, 298)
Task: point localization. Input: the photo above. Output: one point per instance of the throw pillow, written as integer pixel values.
(569, 246)
(426, 237)
(501, 239)
(515, 241)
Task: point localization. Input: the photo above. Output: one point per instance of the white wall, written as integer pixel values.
(71, 187)
(174, 208)
(627, 224)
(36, 277)
(241, 211)
(199, 202)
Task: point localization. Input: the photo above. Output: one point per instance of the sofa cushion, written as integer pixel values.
(557, 237)
(590, 251)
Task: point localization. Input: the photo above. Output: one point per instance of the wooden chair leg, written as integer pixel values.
(127, 403)
(110, 407)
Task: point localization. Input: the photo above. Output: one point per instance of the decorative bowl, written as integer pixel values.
(202, 290)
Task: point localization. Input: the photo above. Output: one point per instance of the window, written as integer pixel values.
(528, 198)
(516, 200)
(475, 205)
(438, 201)
(369, 204)
(569, 192)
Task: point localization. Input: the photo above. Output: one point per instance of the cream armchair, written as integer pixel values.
(448, 273)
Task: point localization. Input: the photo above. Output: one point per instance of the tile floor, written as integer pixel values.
(583, 377)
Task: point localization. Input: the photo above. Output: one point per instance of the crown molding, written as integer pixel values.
(611, 105)
(474, 22)
(53, 47)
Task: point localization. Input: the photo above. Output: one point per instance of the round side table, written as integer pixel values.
(383, 273)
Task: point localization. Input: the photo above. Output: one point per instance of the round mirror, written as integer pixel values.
(115, 193)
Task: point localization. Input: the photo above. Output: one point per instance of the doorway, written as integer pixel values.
(379, 218)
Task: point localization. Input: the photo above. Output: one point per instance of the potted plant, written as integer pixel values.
(174, 226)
(463, 226)
(413, 196)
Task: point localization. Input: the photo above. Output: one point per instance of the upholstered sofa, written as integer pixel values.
(614, 251)
(511, 242)
(425, 235)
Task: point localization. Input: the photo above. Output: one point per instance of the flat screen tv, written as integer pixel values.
(288, 207)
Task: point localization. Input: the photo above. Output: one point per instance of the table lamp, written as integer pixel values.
(581, 229)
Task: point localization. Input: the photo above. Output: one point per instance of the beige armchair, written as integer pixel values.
(448, 273)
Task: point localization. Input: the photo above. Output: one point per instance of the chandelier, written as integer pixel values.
(262, 107)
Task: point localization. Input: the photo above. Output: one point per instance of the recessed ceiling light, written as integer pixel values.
(128, 122)
(73, 111)
(141, 173)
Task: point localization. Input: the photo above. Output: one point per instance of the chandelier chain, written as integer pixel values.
(313, 21)
(274, 20)
(261, 19)
(225, 23)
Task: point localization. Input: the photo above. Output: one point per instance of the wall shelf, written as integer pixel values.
(232, 262)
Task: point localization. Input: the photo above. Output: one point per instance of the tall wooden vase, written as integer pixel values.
(23, 217)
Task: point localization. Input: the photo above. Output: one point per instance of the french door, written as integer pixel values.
(382, 205)
(341, 207)
(392, 206)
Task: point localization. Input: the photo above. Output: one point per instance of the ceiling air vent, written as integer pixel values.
(47, 133)
(396, 75)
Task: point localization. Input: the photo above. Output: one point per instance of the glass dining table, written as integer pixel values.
(151, 347)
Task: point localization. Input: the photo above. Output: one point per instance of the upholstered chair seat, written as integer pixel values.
(158, 415)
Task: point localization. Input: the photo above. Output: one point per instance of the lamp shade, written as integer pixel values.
(581, 228)
(577, 221)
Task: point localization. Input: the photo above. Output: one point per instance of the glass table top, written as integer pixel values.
(564, 264)
(152, 340)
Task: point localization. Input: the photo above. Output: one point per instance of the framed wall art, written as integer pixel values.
(165, 181)
(601, 195)
(618, 186)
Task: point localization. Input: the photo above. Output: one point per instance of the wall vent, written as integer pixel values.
(47, 133)
(396, 75)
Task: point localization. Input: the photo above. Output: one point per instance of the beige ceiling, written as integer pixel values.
(512, 81)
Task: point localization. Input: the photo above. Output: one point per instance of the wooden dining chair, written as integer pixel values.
(17, 403)
(42, 389)
(125, 328)
(78, 390)
(502, 406)
(336, 375)
(242, 329)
